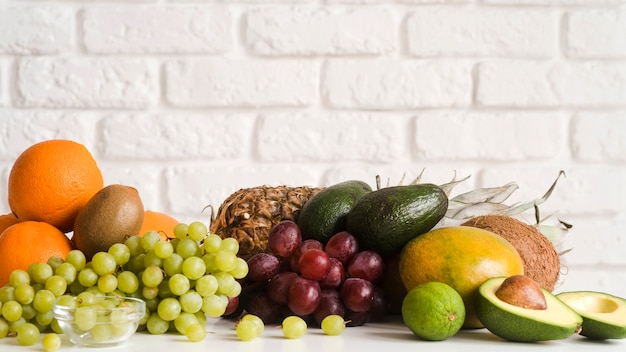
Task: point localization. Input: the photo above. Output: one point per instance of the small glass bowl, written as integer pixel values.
(111, 321)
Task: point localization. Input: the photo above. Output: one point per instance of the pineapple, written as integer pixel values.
(249, 214)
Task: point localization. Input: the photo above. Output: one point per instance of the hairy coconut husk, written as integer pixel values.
(249, 214)
(541, 260)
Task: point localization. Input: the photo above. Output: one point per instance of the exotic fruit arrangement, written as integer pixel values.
(85, 259)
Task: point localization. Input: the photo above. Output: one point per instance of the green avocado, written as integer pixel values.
(604, 315)
(325, 213)
(513, 323)
(386, 219)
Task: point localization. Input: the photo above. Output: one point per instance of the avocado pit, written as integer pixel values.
(522, 291)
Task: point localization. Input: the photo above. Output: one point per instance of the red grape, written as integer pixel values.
(342, 246)
(263, 307)
(330, 303)
(304, 246)
(284, 238)
(357, 294)
(303, 296)
(278, 286)
(336, 275)
(262, 267)
(367, 265)
(314, 264)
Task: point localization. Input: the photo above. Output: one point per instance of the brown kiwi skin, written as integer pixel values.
(111, 216)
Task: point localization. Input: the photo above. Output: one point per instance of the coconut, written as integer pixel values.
(540, 258)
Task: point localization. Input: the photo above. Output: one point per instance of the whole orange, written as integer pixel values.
(51, 181)
(30, 242)
(159, 222)
(7, 220)
(460, 256)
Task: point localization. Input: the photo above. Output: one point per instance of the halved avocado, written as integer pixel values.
(604, 315)
(557, 321)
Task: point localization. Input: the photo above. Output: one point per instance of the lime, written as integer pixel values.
(433, 311)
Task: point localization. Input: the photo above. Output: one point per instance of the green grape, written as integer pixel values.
(56, 284)
(44, 300)
(225, 282)
(246, 330)
(183, 321)
(190, 302)
(127, 282)
(54, 262)
(120, 252)
(180, 230)
(27, 334)
(134, 245)
(101, 332)
(169, 308)
(19, 277)
(214, 305)
(87, 277)
(174, 242)
(212, 243)
(163, 249)
(103, 263)
(156, 325)
(85, 317)
(7, 293)
(51, 342)
(67, 271)
(149, 292)
(333, 325)
(107, 283)
(152, 259)
(44, 319)
(294, 327)
(55, 327)
(235, 291)
(206, 285)
(225, 260)
(136, 263)
(76, 258)
(195, 333)
(4, 328)
(256, 320)
(230, 244)
(40, 272)
(13, 325)
(149, 239)
(164, 289)
(75, 287)
(194, 268)
(209, 262)
(86, 298)
(67, 301)
(152, 276)
(240, 270)
(197, 231)
(12, 310)
(187, 248)
(173, 264)
(24, 293)
(28, 311)
(179, 284)
(201, 318)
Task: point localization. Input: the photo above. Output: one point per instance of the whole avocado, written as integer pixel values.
(386, 219)
(325, 213)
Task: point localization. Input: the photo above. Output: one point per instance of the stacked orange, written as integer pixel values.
(49, 183)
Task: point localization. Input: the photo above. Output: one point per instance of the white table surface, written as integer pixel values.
(388, 336)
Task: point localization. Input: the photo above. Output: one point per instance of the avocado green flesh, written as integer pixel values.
(604, 315)
(557, 321)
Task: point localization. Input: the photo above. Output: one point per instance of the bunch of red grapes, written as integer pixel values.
(313, 280)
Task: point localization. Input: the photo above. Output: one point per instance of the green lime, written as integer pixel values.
(433, 311)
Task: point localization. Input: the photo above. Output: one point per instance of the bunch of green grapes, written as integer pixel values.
(182, 280)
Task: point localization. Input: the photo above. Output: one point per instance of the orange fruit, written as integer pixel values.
(7, 220)
(29, 242)
(51, 181)
(461, 256)
(159, 222)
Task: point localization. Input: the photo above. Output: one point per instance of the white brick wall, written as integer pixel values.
(190, 100)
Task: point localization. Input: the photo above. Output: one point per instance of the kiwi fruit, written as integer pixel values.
(111, 216)
(541, 260)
